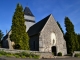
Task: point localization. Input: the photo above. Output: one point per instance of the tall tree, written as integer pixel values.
(18, 29)
(78, 36)
(60, 27)
(1, 36)
(70, 36)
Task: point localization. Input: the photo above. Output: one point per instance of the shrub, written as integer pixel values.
(1, 55)
(17, 56)
(23, 56)
(36, 57)
(59, 54)
(77, 55)
(23, 53)
(9, 55)
(30, 56)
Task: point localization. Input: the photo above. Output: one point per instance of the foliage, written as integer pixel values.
(77, 55)
(70, 36)
(59, 54)
(1, 35)
(3, 53)
(78, 37)
(18, 29)
(60, 27)
(9, 55)
(19, 55)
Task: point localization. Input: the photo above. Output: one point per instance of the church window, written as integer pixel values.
(53, 38)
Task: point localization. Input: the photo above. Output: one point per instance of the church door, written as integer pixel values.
(54, 50)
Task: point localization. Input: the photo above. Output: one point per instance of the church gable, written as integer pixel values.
(52, 31)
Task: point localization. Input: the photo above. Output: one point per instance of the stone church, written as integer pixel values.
(45, 35)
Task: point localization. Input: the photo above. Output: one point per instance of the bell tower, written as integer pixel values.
(29, 18)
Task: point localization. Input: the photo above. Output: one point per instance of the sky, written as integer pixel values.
(40, 9)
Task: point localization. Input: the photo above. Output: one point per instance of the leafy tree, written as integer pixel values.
(70, 36)
(1, 35)
(78, 36)
(76, 42)
(60, 27)
(18, 29)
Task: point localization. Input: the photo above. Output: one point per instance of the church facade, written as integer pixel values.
(45, 35)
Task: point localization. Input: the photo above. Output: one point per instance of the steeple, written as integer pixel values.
(28, 12)
(29, 18)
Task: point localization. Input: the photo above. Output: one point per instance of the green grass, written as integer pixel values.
(19, 55)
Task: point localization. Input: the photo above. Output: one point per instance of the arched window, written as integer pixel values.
(53, 38)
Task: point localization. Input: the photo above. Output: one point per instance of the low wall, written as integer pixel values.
(75, 52)
(42, 54)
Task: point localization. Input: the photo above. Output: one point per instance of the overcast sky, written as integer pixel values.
(40, 9)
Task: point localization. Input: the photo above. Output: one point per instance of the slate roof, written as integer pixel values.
(36, 28)
(28, 12)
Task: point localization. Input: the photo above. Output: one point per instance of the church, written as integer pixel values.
(45, 35)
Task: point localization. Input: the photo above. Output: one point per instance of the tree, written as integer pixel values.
(1, 35)
(70, 36)
(60, 27)
(18, 29)
(78, 36)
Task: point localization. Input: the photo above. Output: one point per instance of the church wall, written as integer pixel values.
(29, 21)
(28, 25)
(29, 17)
(45, 37)
(34, 42)
(5, 42)
(50, 27)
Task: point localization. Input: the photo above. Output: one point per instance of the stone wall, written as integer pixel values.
(45, 36)
(34, 42)
(42, 54)
(76, 52)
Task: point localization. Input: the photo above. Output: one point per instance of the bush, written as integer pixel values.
(36, 57)
(23, 56)
(1, 55)
(77, 55)
(9, 55)
(19, 55)
(30, 56)
(59, 54)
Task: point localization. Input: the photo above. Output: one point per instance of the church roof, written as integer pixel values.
(36, 28)
(28, 12)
